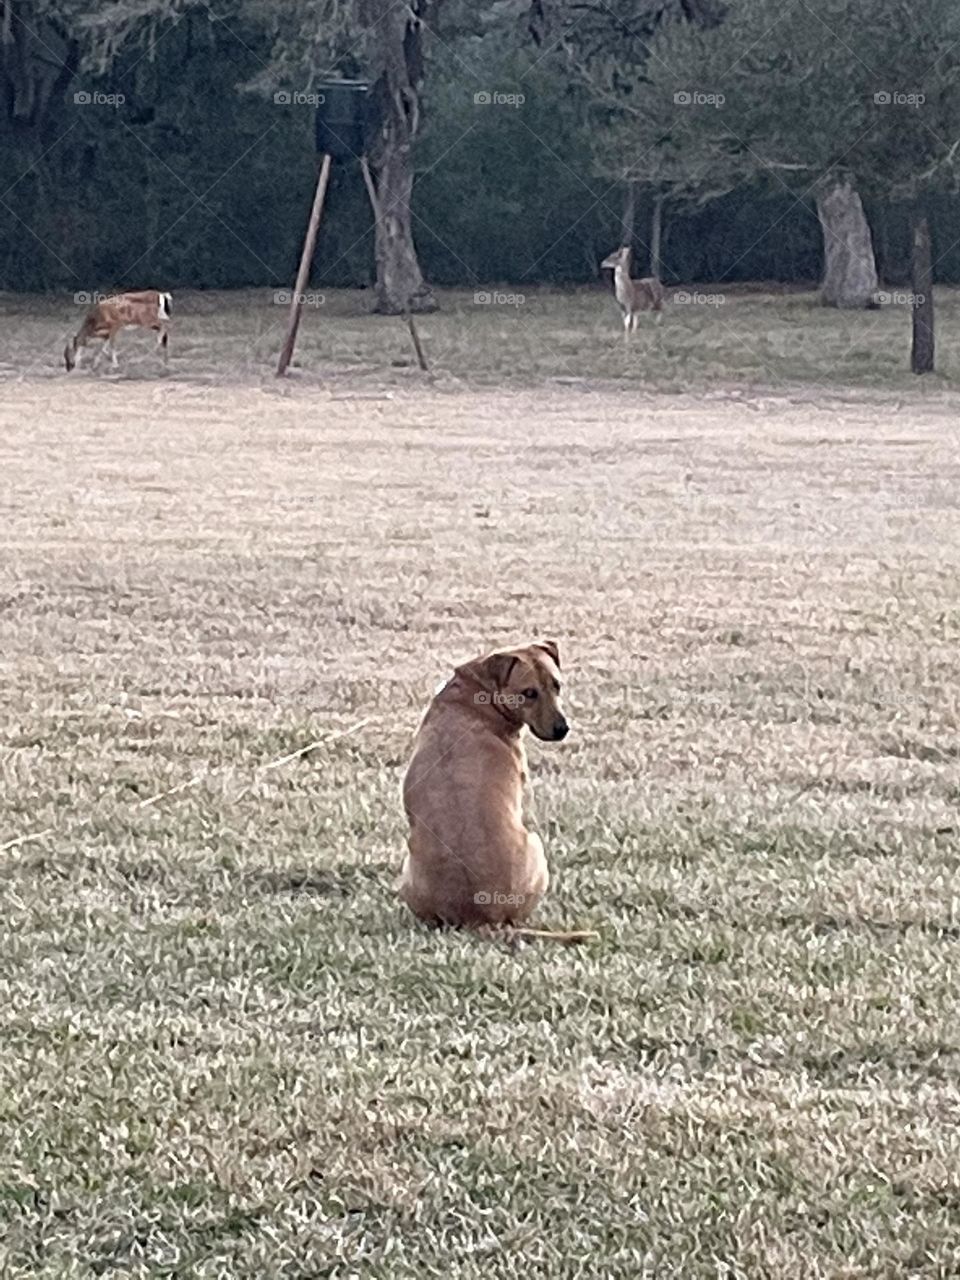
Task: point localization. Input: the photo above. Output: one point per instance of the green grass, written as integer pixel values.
(226, 1048)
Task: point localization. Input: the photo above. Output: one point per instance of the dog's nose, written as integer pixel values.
(560, 730)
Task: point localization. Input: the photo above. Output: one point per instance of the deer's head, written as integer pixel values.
(619, 258)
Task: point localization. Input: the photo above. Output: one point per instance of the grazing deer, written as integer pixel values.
(633, 296)
(105, 319)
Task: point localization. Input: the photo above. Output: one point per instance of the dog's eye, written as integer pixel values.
(531, 695)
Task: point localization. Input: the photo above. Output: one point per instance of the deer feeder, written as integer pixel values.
(343, 118)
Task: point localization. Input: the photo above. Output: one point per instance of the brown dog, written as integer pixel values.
(470, 859)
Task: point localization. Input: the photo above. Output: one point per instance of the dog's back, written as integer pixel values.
(470, 859)
(462, 794)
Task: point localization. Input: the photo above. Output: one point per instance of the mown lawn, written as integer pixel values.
(226, 1049)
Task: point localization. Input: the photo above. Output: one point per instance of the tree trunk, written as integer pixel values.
(656, 237)
(629, 219)
(400, 283)
(881, 242)
(396, 33)
(850, 269)
(921, 283)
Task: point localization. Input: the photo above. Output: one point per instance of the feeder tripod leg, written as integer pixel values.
(421, 358)
(303, 274)
(378, 218)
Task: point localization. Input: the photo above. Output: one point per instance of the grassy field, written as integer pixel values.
(226, 1050)
(712, 336)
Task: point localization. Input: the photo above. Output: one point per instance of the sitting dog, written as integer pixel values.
(470, 859)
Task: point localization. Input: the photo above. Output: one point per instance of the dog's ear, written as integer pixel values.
(497, 667)
(492, 672)
(550, 647)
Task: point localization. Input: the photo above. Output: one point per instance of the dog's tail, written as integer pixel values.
(569, 937)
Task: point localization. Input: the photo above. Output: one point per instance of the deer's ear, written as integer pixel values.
(550, 647)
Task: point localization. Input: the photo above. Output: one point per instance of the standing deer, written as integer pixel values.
(633, 296)
(105, 319)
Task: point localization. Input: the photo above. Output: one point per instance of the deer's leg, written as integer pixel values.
(111, 345)
(162, 337)
(626, 326)
(99, 356)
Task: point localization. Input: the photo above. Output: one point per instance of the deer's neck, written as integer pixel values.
(621, 283)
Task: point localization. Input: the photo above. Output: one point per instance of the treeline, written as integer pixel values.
(176, 167)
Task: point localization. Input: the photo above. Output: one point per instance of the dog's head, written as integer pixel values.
(619, 258)
(524, 686)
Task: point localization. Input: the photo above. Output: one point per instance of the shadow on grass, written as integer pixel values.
(341, 881)
(822, 923)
